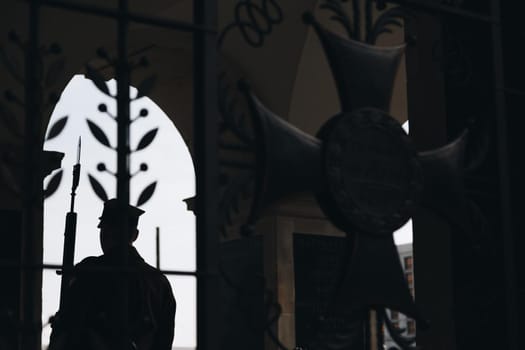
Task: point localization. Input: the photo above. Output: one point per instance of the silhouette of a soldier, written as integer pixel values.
(87, 320)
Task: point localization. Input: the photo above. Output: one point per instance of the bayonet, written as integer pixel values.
(70, 233)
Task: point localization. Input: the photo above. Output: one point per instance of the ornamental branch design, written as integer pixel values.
(48, 74)
(144, 88)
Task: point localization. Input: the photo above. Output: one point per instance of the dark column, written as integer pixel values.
(428, 129)
(123, 177)
(206, 145)
(31, 240)
(510, 90)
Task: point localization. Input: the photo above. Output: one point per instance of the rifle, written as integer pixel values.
(70, 235)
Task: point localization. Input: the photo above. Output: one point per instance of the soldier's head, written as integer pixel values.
(109, 224)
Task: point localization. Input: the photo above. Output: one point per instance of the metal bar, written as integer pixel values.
(206, 160)
(123, 175)
(132, 17)
(426, 103)
(28, 334)
(504, 185)
(6, 265)
(436, 7)
(183, 273)
(157, 247)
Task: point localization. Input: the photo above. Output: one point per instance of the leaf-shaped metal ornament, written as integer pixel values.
(97, 188)
(57, 128)
(53, 184)
(146, 86)
(392, 17)
(147, 139)
(98, 133)
(11, 65)
(54, 70)
(339, 15)
(97, 79)
(146, 194)
(10, 120)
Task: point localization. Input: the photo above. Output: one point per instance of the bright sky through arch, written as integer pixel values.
(169, 163)
(404, 234)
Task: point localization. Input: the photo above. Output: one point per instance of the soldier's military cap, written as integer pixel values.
(110, 213)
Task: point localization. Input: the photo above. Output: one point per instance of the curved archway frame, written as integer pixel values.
(78, 29)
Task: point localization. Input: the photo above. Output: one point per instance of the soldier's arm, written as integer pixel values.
(167, 321)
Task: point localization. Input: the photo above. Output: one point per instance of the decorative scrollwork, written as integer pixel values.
(254, 21)
(237, 151)
(233, 192)
(233, 118)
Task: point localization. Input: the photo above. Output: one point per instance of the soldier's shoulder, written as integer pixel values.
(156, 273)
(89, 261)
(152, 271)
(163, 280)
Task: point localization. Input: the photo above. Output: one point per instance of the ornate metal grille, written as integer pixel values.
(205, 109)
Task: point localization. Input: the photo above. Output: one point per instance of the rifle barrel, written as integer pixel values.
(68, 255)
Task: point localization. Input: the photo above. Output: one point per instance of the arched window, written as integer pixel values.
(165, 165)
